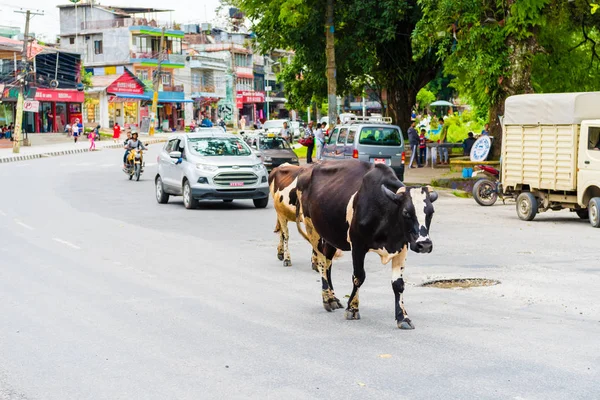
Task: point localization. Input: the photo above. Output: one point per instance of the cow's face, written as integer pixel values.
(416, 211)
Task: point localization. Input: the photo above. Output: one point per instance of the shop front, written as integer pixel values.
(249, 104)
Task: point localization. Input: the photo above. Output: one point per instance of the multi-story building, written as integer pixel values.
(113, 39)
(52, 98)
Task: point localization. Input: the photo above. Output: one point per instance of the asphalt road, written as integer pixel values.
(105, 294)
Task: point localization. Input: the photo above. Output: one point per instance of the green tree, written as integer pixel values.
(424, 98)
(495, 49)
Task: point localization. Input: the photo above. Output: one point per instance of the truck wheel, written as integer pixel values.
(594, 212)
(527, 206)
(261, 203)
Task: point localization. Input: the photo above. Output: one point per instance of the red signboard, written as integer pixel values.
(250, 97)
(125, 84)
(59, 95)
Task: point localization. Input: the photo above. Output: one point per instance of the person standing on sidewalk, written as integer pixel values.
(75, 129)
(310, 137)
(413, 140)
(320, 138)
(443, 139)
(92, 138)
(422, 149)
(116, 132)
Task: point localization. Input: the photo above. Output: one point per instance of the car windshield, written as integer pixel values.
(380, 136)
(273, 125)
(219, 146)
(274, 144)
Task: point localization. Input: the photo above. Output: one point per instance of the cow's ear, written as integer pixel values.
(433, 196)
(389, 194)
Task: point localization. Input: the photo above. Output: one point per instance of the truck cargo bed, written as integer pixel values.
(543, 157)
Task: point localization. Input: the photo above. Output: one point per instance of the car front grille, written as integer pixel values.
(227, 178)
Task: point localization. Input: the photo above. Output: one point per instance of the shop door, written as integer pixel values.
(60, 117)
(46, 122)
(29, 122)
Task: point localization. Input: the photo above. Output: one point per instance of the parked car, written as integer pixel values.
(375, 142)
(210, 165)
(273, 149)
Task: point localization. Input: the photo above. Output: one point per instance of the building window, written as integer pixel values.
(143, 74)
(97, 46)
(196, 80)
(72, 40)
(166, 79)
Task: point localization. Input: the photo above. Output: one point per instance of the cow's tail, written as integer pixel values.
(338, 254)
(299, 220)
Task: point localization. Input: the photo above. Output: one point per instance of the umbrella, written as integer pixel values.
(442, 103)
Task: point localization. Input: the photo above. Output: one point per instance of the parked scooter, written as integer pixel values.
(487, 190)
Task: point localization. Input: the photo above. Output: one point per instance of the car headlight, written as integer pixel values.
(267, 158)
(207, 167)
(294, 159)
(258, 167)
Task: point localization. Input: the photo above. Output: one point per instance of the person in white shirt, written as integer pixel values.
(320, 139)
(285, 132)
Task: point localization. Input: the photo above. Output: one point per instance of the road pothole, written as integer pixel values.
(465, 283)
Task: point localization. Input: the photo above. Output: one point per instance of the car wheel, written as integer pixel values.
(594, 212)
(161, 196)
(188, 201)
(261, 203)
(527, 206)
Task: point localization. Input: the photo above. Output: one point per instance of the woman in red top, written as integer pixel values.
(116, 132)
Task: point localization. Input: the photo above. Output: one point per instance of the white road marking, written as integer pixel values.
(107, 165)
(22, 165)
(150, 164)
(23, 225)
(67, 243)
(83, 164)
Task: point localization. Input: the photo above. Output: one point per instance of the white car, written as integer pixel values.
(210, 165)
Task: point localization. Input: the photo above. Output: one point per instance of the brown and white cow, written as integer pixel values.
(361, 207)
(282, 185)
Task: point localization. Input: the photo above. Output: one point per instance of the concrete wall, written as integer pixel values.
(69, 24)
(116, 43)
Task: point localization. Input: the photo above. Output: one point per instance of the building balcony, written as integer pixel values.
(244, 72)
(155, 31)
(150, 59)
(208, 91)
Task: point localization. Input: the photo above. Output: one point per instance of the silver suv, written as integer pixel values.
(371, 139)
(210, 165)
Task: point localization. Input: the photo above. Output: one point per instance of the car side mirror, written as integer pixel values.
(175, 154)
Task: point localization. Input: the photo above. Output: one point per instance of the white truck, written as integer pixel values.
(551, 153)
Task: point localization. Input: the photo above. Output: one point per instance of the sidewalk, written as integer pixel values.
(56, 144)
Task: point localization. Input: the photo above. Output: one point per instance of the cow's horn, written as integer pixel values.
(433, 196)
(391, 195)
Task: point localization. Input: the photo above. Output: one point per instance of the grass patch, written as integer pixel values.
(461, 194)
(302, 150)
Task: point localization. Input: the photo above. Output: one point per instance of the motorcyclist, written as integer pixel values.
(132, 144)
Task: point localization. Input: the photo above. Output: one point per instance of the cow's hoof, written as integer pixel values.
(280, 256)
(315, 267)
(405, 324)
(287, 263)
(335, 303)
(327, 306)
(352, 314)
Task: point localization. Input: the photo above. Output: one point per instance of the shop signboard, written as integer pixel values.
(125, 84)
(59, 95)
(251, 97)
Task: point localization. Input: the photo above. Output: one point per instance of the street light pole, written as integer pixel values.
(157, 78)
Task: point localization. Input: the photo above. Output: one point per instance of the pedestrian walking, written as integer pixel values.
(49, 120)
(285, 133)
(92, 137)
(75, 129)
(116, 132)
(320, 139)
(413, 140)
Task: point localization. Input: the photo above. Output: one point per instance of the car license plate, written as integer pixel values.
(236, 183)
(379, 161)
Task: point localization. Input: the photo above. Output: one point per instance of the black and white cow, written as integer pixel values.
(360, 207)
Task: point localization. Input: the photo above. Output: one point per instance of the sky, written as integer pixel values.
(185, 11)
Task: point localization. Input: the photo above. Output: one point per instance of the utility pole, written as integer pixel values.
(234, 84)
(157, 78)
(331, 73)
(23, 79)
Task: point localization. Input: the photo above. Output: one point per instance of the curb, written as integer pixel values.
(68, 152)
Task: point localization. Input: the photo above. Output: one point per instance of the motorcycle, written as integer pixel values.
(135, 164)
(487, 190)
